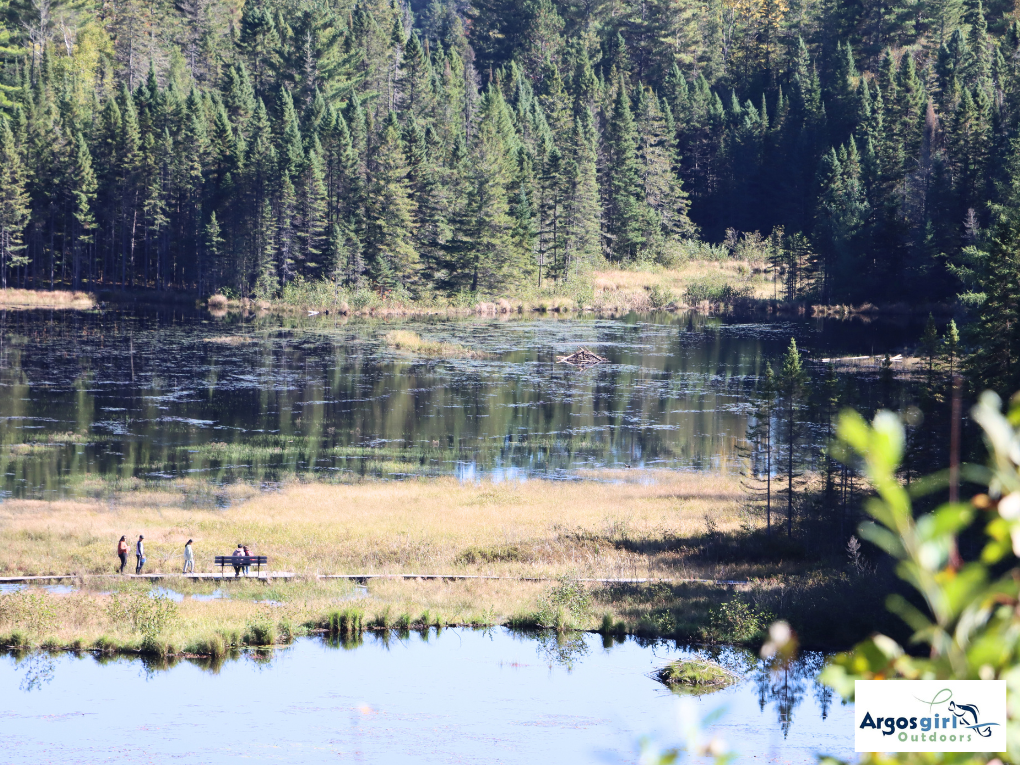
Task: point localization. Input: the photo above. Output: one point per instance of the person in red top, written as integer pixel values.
(122, 548)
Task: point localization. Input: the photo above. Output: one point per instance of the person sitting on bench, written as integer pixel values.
(238, 553)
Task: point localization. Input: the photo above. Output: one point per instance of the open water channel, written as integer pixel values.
(88, 400)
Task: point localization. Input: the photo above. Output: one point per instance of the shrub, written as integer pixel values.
(698, 291)
(566, 605)
(660, 296)
(739, 622)
(151, 615)
(260, 631)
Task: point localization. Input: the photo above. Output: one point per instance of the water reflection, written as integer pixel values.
(434, 696)
(87, 399)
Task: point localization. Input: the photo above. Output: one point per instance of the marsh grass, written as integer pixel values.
(413, 343)
(617, 524)
(61, 299)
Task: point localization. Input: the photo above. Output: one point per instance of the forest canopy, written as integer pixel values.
(453, 146)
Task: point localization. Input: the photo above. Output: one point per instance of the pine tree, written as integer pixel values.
(583, 210)
(995, 274)
(391, 215)
(14, 203)
(212, 246)
(84, 196)
(490, 222)
(625, 211)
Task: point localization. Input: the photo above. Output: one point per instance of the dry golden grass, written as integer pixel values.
(599, 528)
(14, 298)
(412, 342)
(627, 523)
(632, 289)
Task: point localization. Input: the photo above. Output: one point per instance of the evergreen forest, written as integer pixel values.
(444, 147)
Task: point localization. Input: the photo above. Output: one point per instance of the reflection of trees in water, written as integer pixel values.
(785, 686)
(39, 667)
(562, 648)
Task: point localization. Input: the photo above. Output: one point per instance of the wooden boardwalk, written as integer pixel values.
(274, 575)
(55, 578)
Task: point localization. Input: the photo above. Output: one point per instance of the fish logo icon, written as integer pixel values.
(969, 717)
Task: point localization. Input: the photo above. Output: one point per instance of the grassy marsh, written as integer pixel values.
(629, 523)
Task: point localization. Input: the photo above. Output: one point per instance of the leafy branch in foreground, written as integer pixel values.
(972, 624)
(972, 627)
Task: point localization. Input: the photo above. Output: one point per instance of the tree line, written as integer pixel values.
(451, 146)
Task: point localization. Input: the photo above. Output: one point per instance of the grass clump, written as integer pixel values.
(346, 623)
(412, 342)
(695, 676)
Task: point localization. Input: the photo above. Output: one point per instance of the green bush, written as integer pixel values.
(151, 615)
(567, 605)
(698, 291)
(660, 296)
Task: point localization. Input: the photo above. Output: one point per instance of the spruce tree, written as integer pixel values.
(391, 215)
(14, 203)
(625, 213)
(83, 190)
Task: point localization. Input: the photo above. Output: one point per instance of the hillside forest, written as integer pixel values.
(478, 147)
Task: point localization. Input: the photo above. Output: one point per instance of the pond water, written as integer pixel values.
(90, 397)
(461, 696)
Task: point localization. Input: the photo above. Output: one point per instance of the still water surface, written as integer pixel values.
(461, 696)
(87, 398)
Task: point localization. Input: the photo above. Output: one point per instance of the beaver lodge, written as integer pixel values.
(582, 358)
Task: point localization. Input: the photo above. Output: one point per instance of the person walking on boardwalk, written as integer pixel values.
(140, 554)
(237, 566)
(122, 553)
(189, 558)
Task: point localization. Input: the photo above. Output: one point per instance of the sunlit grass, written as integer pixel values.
(15, 298)
(412, 342)
(618, 524)
(588, 528)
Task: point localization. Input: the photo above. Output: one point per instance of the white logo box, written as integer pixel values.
(930, 716)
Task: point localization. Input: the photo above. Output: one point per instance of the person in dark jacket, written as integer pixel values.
(140, 554)
(122, 546)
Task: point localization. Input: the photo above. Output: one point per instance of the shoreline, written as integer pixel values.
(605, 304)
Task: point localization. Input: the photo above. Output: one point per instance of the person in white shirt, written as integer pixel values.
(189, 558)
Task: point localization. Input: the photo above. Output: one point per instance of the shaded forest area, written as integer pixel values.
(450, 147)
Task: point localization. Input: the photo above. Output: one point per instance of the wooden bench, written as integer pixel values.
(242, 560)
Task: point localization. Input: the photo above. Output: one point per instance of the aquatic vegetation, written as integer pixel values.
(695, 675)
(412, 342)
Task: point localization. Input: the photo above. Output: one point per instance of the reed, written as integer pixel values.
(60, 299)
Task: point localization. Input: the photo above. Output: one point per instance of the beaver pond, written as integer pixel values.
(88, 399)
(461, 695)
